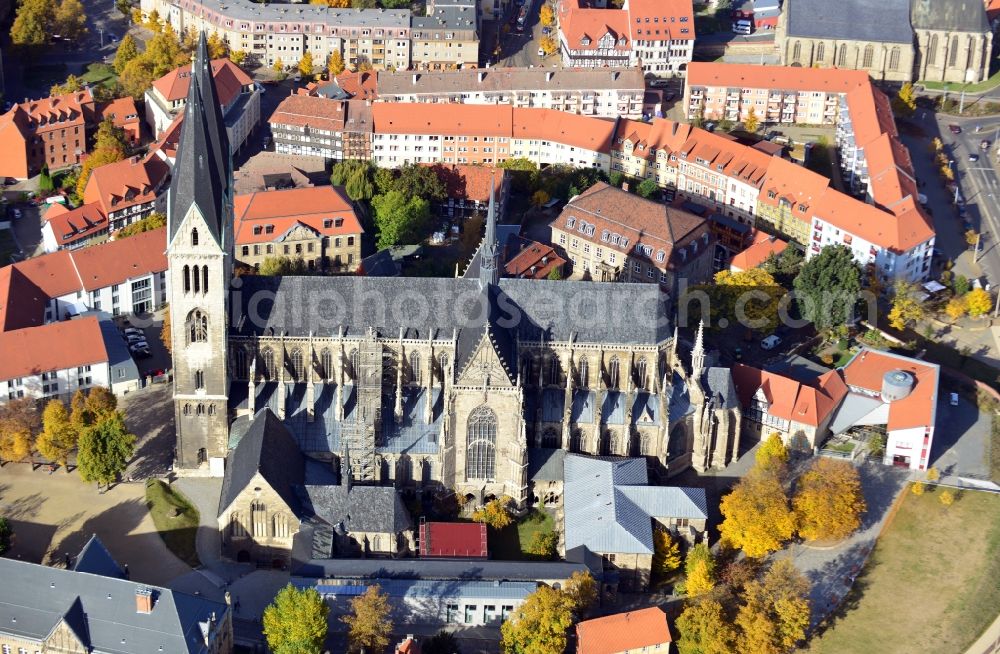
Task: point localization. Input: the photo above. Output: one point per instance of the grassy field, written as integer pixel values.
(930, 584)
(176, 520)
(100, 74)
(511, 543)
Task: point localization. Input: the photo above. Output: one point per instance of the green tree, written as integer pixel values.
(420, 181)
(295, 622)
(752, 122)
(666, 554)
(343, 170)
(105, 449)
(775, 611)
(828, 287)
(305, 65)
(519, 163)
(399, 220)
(359, 185)
(496, 513)
(962, 285)
(153, 221)
(443, 642)
(772, 453)
(369, 625)
(279, 265)
(616, 179)
(756, 515)
(59, 436)
(828, 500)
(555, 274)
(647, 188)
(127, 51)
(69, 20)
(6, 535)
(109, 146)
(699, 570)
(45, 183)
(704, 629)
(539, 625)
(32, 23)
(71, 85)
(384, 180)
(335, 63)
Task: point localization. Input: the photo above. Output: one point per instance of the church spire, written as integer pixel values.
(202, 174)
(489, 272)
(698, 352)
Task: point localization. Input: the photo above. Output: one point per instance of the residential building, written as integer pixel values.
(50, 132)
(315, 224)
(610, 511)
(656, 34)
(585, 91)
(789, 197)
(469, 189)
(643, 631)
(272, 32)
(532, 260)
(124, 115)
(94, 608)
(67, 229)
(310, 125)
(611, 235)
(465, 540)
(238, 99)
(127, 191)
(447, 37)
(764, 246)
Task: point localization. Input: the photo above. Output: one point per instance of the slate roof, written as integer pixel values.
(881, 21)
(609, 508)
(719, 383)
(950, 15)
(266, 447)
(97, 560)
(470, 570)
(545, 464)
(595, 312)
(100, 610)
(359, 508)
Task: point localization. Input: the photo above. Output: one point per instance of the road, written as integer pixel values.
(521, 49)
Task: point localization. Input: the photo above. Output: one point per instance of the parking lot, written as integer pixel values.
(158, 361)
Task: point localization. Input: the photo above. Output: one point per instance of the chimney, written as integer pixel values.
(548, 75)
(614, 75)
(415, 78)
(481, 75)
(143, 600)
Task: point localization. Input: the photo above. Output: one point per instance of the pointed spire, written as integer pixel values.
(489, 265)
(698, 352)
(203, 170)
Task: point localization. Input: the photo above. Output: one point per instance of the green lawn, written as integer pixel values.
(100, 74)
(175, 518)
(992, 82)
(930, 584)
(510, 544)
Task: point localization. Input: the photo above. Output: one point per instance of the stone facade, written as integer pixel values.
(258, 526)
(957, 57)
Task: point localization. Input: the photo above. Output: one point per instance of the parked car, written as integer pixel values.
(139, 350)
(659, 82)
(953, 399)
(541, 53)
(546, 30)
(955, 129)
(770, 342)
(134, 330)
(973, 156)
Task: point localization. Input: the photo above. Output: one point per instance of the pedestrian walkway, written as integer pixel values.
(989, 642)
(204, 493)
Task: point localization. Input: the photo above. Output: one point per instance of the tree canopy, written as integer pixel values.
(907, 307)
(127, 51)
(647, 188)
(369, 625)
(59, 435)
(295, 622)
(104, 449)
(828, 286)
(496, 513)
(775, 612)
(109, 146)
(18, 423)
(420, 181)
(699, 570)
(666, 554)
(750, 297)
(400, 220)
(335, 63)
(539, 625)
(153, 221)
(772, 453)
(282, 265)
(828, 500)
(757, 518)
(32, 23)
(704, 629)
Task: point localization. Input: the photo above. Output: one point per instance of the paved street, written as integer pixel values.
(521, 50)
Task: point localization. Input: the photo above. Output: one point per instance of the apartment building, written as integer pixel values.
(486, 134)
(278, 31)
(310, 125)
(316, 224)
(585, 91)
(48, 132)
(67, 229)
(658, 35)
(239, 100)
(611, 235)
(447, 37)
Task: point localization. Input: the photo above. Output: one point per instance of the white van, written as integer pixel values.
(742, 27)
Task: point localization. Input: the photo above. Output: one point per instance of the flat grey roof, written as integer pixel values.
(262, 13)
(509, 79)
(429, 569)
(881, 21)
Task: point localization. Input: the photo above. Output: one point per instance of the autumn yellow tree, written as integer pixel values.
(305, 65)
(978, 302)
(496, 513)
(828, 500)
(18, 423)
(705, 629)
(539, 197)
(539, 625)
(906, 306)
(217, 46)
(369, 625)
(546, 15)
(956, 308)
(666, 554)
(335, 63)
(946, 497)
(917, 488)
(752, 122)
(581, 588)
(548, 45)
(751, 296)
(756, 515)
(933, 474)
(59, 436)
(109, 147)
(237, 57)
(772, 453)
(699, 570)
(775, 611)
(296, 621)
(279, 66)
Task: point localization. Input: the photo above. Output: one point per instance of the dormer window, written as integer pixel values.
(257, 230)
(571, 222)
(585, 40)
(269, 229)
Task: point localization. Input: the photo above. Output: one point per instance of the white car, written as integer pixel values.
(541, 53)
(770, 342)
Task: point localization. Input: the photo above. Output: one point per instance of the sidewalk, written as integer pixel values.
(989, 642)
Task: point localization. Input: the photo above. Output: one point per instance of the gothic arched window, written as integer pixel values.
(280, 524)
(869, 56)
(553, 370)
(842, 56)
(201, 410)
(355, 360)
(576, 441)
(796, 52)
(199, 381)
(194, 236)
(325, 364)
(820, 51)
(442, 365)
(187, 409)
(258, 519)
(415, 367)
(481, 439)
(894, 58)
(204, 279)
(295, 365)
(239, 363)
(551, 438)
(644, 445)
(640, 374)
(197, 327)
(614, 370)
(932, 51)
(267, 363)
(583, 373)
(187, 279)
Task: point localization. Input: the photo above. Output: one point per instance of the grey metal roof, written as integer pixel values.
(359, 508)
(266, 447)
(424, 590)
(545, 464)
(854, 409)
(123, 367)
(460, 18)
(950, 15)
(881, 21)
(595, 312)
(609, 507)
(284, 12)
(508, 79)
(466, 570)
(100, 610)
(97, 560)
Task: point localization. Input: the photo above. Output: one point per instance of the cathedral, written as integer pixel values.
(438, 384)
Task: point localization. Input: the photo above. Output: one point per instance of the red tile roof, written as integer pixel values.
(577, 24)
(70, 106)
(586, 132)
(543, 258)
(22, 303)
(229, 81)
(56, 346)
(310, 111)
(117, 261)
(787, 78)
(787, 398)
(661, 20)
(71, 226)
(53, 273)
(284, 209)
(470, 182)
(446, 119)
(363, 85)
(453, 539)
(632, 630)
(764, 245)
(122, 112)
(866, 371)
(794, 184)
(125, 183)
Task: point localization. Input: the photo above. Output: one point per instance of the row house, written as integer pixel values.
(310, 125)
(447, 37)
(657, 35)
(239, 100)
(611, 235)
(585, 91)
